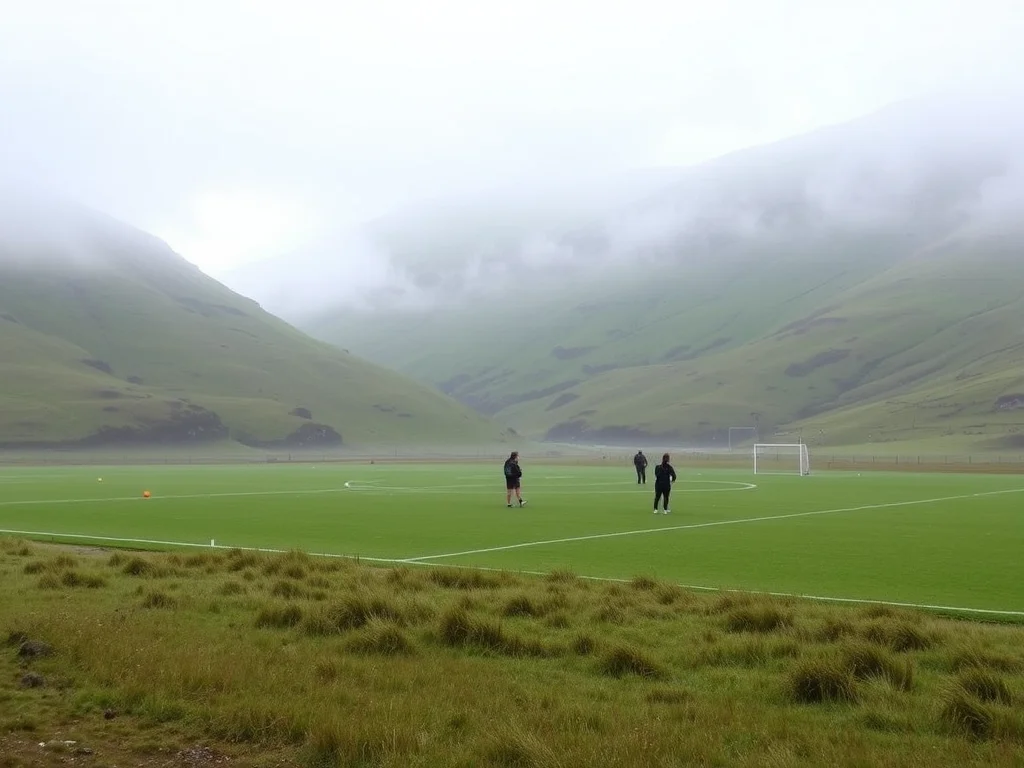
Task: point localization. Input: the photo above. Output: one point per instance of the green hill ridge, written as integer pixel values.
(109, 337)
(860, 284)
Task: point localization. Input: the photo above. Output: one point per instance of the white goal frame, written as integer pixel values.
(802, 459)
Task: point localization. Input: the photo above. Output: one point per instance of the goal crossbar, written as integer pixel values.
(781, 459)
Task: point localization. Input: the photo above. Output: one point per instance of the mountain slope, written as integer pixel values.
(859, 283)
(106, 335)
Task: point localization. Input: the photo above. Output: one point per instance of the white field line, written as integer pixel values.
(394, 561)
(186, 544)
(371, 486)
(218, 495)
(691, 526)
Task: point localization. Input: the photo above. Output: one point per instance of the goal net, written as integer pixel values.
(781, 459)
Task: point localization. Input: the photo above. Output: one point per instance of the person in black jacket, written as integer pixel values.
(640, 462)
(664, 476)
(512, 481)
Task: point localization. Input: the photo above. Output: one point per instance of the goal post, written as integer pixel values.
(781, 459)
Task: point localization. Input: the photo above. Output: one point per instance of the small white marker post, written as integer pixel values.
(213, 543)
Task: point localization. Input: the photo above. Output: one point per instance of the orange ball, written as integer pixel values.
(145, 494)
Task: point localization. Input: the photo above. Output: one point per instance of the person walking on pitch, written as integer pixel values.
(640, 462)
(664, 476)
(512, 480)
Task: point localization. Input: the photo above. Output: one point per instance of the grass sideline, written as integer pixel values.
(200, 658)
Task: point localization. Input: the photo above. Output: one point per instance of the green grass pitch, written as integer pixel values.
(932, 540)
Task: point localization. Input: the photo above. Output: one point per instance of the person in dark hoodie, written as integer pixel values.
(640, 462)
(664, 476)
(512, 480)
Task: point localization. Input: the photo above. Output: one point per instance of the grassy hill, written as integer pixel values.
(860, 284)
(107, 336)
(845, 353)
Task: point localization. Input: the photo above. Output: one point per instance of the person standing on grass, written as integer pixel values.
(512, 480)
(640, 462)
(664, 476)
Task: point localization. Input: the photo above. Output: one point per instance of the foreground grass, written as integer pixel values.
(288, 660)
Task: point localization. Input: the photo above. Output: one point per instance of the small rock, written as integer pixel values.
(31, 649)
(32, 680)
(109, 714)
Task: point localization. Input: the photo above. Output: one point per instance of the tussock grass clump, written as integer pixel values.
(287, 590)
(138, 567)
(463, 578)
(204, 560)
(239, 560)
(87, 580)
(352, 612)
(319, 582)
(758, 618)
(558, 620)
(294, 571)
(459, 629)
(978, 658)
(625, 660)
(49, 581)
(884, 721)
(231, 589)
(521, 605)
(727, 603)
(833, 629)
(865, 662)
(564, 576)
(514, 746)
(279, 616)
(962, 713)
(899, 635)
(671, 594)
(822, 680)
(610, 613)
(36, 566)
(404, 579)
(985, 686)
(159, 599)
(643, 583)
(116, 560)
(382, 637)
(17, 547)
(584, 645)
(16, 638)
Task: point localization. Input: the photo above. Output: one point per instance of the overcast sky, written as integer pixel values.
(234, 128)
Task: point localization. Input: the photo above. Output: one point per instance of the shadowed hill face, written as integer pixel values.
(858, 283)
(106, 335)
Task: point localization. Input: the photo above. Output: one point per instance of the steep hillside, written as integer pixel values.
(107, 336)
(857, 284)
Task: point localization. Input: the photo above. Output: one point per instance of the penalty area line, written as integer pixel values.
(711, 524)
(396, 561)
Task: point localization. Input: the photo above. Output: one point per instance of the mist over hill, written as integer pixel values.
(783, 285)
(108, 337)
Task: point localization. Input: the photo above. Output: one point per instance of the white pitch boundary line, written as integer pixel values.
(217, 495)
(394, 561)
(712, 524)
(351, 485)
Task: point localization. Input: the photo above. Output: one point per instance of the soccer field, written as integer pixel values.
(952, 541)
